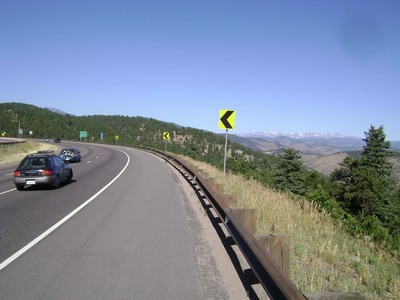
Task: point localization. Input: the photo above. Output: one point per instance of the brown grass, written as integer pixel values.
(16, 152)
(323, 256)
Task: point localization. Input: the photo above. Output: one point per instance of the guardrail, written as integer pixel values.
(275, 283)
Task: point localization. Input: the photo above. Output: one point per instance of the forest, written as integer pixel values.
(361, 195)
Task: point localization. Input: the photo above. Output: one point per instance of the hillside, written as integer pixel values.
(124, 130)
(51, 123)
(320, 153)
(310, 143)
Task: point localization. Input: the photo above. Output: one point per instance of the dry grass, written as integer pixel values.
(325, 164)
(16, 152)
(323, 256)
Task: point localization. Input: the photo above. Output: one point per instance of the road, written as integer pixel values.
(123, 229)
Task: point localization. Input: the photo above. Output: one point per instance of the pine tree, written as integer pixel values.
(291, 173)
(376, 152)
(367, 184)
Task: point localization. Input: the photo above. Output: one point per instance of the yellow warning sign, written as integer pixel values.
(166, 135)
(227, 119)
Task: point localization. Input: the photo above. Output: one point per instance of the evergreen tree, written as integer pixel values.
(291, 173)
(368, 189)
(367, 183)
(376, 152)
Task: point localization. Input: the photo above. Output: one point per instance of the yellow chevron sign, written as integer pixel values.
(166, 135)
(227, 119)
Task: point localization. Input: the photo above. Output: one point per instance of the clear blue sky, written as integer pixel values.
(283, 66)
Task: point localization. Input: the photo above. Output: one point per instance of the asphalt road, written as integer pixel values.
(118, 231)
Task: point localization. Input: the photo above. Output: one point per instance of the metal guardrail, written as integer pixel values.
(275, 283)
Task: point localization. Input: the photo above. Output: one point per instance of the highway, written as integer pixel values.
(123, 229)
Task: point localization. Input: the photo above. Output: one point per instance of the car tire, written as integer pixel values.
(20, 187)
(69, 178)
(56, 183)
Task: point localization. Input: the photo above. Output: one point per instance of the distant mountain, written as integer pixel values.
(258, 144)
(395, 145)
(311, 143)
(319, 152)
(293, 135)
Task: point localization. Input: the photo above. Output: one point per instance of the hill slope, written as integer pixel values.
(135, 131)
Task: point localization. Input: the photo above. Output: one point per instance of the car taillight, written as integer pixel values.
(47, 172)
(17, 173)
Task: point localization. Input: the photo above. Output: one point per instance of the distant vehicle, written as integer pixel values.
(70, 155)
(45, 169)
(57, 140)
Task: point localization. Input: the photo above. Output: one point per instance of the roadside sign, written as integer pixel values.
(82, 134)
(166, 135)
(227, 119)
(116, 137)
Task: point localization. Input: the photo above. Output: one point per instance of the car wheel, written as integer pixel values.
(69, 178)
(20, 187)
(56, 183)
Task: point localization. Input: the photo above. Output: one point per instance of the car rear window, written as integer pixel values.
(34, 162)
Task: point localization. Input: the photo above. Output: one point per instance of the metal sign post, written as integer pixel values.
(226, 150)
(166, 138)
(226, 121)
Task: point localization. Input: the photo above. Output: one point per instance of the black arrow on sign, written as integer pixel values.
(225, 117)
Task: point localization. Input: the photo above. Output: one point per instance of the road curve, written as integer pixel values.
(132, 239)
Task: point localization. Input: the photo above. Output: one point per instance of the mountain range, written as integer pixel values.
(307, 143)
(320, 152)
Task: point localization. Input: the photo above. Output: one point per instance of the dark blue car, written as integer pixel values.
(70, 155)
(42, 169)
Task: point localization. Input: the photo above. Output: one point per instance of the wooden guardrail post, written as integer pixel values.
(248, 218)
(229, 199)
(216, 187)
(278, 246)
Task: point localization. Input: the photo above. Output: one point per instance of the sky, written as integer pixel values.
(282, 66)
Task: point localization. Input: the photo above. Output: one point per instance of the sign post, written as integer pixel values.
(226, 121)
(166, 139)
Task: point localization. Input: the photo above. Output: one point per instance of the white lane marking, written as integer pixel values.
(5, 192)
(59, 223)
(89, 161)
(9, 174)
